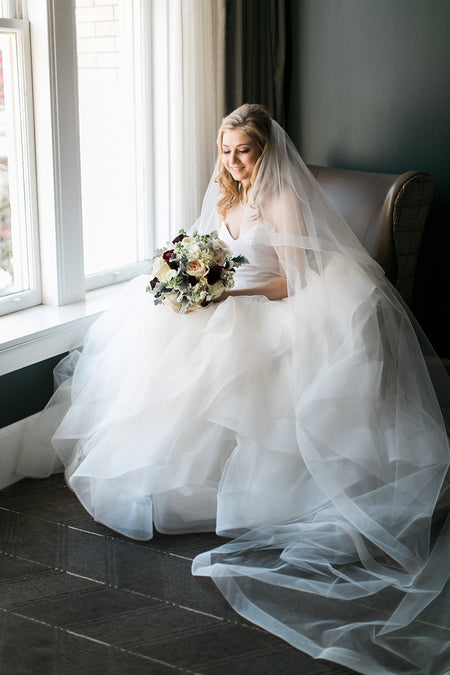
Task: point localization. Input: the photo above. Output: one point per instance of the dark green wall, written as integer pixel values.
(26, 391)
(369, 90)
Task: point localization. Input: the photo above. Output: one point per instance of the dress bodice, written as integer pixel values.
(262, 259)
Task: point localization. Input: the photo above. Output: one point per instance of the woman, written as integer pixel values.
(302, 421)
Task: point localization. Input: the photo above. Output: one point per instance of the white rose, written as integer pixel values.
(171, 301)
(191, 247)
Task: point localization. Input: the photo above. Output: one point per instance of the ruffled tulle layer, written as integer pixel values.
(323, 464)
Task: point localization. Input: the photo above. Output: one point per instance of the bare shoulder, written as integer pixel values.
(284, 209)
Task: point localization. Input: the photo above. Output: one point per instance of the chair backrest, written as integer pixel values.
(387, 212)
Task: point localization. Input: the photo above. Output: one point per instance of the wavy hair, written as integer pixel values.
(254, 120)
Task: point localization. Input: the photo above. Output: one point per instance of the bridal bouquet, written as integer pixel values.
(192, 271)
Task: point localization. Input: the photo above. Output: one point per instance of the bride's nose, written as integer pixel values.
(234, 157)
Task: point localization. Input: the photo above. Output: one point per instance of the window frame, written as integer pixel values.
(55, 94)
(66, 311)
(22, 171)
(56, 109)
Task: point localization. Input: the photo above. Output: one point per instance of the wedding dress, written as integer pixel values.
(306, 429)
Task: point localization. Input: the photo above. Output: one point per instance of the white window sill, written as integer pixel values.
(38, 333)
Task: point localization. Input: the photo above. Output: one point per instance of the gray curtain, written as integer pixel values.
(255, 54)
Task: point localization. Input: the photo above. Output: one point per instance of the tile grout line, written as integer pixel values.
(99, 642)
(132, 592)
(111, 536)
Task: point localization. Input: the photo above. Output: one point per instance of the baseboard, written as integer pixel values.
(10, 440)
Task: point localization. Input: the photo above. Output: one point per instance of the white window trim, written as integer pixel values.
(59, 324)
(55, 87)
(38, 333)
(27, 211)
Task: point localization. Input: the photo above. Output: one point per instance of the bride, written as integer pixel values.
(295, 416)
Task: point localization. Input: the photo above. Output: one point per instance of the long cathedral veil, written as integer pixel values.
(360, 578)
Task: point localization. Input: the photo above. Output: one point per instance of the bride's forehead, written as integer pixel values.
(234, 137)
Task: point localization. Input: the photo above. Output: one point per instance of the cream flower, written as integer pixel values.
(194, 307)
(225, 248)
(162, 271)
(171, 301)
(191, 247)
(220, 256)
(196, 268)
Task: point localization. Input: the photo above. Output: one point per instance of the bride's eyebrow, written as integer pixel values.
(241, 145)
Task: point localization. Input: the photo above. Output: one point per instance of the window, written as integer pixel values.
(125, 109)
(89, 158)
(114, 237)
(19, 258)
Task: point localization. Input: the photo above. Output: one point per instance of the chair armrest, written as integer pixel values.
(410, 210)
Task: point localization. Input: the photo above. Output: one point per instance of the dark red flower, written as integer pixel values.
(167, 255)
(180, 237)
(153, 283)
(214, 274)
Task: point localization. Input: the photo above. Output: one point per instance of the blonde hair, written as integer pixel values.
(253, 120)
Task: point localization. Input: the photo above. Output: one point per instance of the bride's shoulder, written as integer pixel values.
(281, 204)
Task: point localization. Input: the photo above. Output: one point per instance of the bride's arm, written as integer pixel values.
(275, 289)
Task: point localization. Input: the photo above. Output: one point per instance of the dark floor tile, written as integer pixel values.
(30, 538)
(186, 545)
(166, 576)
(28, 647)
(77, 597)
(137, 630)
(89, 554)
(40, 585)
(28, 493)
(286, 661)
(75, 606)
(197, 651)
(13, 568)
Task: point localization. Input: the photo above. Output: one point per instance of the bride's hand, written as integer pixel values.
(221, 298)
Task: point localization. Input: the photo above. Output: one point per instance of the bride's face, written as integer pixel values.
(239, 154)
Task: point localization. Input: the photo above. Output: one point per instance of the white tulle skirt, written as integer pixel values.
(322, 461)
(183, 422)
